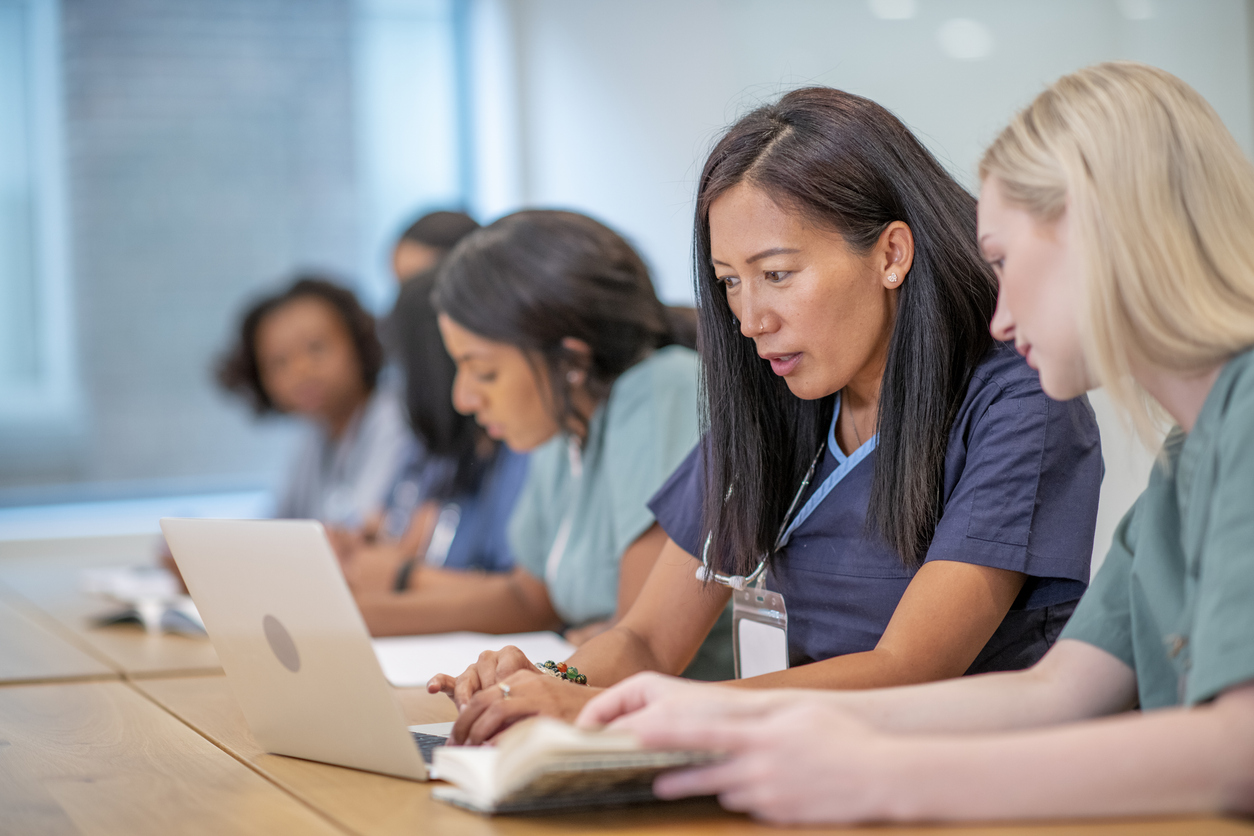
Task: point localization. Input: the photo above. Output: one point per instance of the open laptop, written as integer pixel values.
(293, 644)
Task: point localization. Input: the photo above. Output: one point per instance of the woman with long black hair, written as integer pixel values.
(889, 490)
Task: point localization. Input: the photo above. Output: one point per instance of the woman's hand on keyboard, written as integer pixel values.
(493, 667)
(490, 712)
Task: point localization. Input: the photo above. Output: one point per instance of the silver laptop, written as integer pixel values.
(294, 646)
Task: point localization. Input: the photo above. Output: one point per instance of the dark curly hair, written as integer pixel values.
(237, 370)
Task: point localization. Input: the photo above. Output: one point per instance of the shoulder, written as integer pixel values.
(1234, 389)
(1004, 373)
(668, 376)
(667, 369)
(1003, 383)
(1227, 417)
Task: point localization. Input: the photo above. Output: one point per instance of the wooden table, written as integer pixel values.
(99, 758)
(33, 652)
(375, 804)
(127, 733)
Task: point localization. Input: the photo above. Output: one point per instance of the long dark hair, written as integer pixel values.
(414, 335)
(535, 277)
(237, 370)
(846, 164)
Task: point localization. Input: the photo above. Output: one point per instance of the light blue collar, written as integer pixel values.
(844, 464)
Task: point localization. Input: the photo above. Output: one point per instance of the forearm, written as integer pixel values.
(615, 655)
(854, 671)
(478, 603)
(1174, 761)
(1074, 681)
(663, 629)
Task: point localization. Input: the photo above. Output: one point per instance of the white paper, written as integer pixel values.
(410, 661)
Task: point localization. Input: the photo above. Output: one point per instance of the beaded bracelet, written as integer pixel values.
(561, 671)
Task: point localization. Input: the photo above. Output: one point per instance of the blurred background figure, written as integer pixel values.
(427, 240)
(450, 509)
(311, 351)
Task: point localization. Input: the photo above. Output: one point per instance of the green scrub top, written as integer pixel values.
(637, 436)
(1175, 598)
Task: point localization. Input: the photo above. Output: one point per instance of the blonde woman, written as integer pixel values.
(1117, 212)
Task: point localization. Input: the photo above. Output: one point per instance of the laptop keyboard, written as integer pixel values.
(428, 743)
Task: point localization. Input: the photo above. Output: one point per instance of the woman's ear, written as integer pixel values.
(894, 254)
(579, 360)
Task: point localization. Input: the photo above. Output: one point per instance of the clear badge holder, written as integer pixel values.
(759, 630)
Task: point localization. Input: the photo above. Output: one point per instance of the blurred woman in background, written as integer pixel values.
(311, 352)
(465, 487)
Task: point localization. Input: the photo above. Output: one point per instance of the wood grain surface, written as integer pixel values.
(100, 758)
(31, 652)
(49, 594)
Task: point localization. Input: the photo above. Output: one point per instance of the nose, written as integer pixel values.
(1002, 326)
(753, 310)
(300, 365)
(466, 399)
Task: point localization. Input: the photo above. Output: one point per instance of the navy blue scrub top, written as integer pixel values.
(481, 539)
(1022, 475)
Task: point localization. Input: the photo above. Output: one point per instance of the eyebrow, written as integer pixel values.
(764, 254)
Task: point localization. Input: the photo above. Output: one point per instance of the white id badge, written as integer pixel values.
(759, 631)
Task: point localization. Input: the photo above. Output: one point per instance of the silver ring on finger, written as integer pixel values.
(505, 689)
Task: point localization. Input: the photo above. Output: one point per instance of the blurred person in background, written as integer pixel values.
(450, 512)
(427, 240)
(312, 352)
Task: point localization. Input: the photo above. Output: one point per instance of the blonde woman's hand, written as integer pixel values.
(804, 762)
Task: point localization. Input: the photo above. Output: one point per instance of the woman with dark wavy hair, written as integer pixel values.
(888, 488)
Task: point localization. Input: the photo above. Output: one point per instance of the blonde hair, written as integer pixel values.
(1162, 200)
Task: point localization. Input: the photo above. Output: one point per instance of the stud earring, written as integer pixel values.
(892, 277)
(573, 376)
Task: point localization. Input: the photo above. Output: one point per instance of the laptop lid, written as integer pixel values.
(292, 642)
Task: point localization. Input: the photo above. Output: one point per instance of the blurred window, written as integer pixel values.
(412, 123)
(35, 379)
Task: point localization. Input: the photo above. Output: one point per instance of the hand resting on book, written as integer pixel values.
(483, 711)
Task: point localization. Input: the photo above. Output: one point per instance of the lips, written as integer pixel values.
(783, 364)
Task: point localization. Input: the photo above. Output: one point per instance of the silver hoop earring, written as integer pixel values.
(892, 277)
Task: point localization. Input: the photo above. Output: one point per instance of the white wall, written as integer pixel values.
(615, 104)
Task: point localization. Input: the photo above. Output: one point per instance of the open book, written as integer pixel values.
(545, 764)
